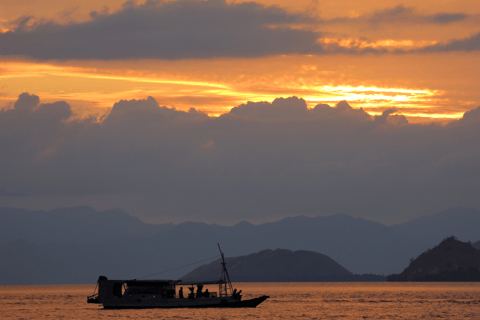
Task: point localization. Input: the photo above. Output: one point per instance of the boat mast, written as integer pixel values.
(225, 277)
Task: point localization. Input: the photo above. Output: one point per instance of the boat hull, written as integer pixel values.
(251, 303)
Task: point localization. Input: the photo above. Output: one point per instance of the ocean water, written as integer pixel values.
(287, 301)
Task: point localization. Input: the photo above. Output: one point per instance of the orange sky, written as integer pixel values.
(80, 9)
(422, 86)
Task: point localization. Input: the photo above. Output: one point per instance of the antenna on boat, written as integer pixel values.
(225, 277)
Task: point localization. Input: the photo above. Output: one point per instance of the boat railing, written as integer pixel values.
(202, 295)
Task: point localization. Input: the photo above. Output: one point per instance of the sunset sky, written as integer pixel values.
(198, 128)
(418, 56)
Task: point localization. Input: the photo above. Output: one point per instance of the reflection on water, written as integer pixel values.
(287, 301)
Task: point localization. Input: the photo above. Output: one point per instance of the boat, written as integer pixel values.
(143, 294)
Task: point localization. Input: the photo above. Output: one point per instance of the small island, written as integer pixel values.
(450, 261)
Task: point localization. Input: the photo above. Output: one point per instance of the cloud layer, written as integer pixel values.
(172, 30)
(259, 160)
(468, 44)
(189, 29)
(403, 15)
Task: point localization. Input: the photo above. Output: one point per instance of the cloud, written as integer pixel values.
(389, 117)
(167, 30)
(192, 29)
(444, 18)
(401, 14)
(468, 44)
(279, 108)
(147, 112)
(32, 132)
(295, 108)
(260, 160)
(473, 114)
(387, 21)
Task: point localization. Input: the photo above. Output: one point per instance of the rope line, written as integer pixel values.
(187, 265)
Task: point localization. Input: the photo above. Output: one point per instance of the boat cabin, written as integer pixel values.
(109, 290)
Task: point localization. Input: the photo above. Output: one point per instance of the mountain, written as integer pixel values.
(476, 245)
(427, 231)
(72, 225)
(451, 260)
(359, 245)
(274, 266)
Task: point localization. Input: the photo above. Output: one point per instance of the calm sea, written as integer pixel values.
(287, 301)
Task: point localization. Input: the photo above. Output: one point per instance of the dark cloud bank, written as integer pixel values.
(404, 15)
(468, 44)
(173, 30)
(198, 29)
(259, 160)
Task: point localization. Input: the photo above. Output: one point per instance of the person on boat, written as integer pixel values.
(180, 293)
(206, 294)
(199, 290)
(237, 295)
(191, 295)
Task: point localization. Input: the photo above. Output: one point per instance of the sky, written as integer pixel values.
(222, 111)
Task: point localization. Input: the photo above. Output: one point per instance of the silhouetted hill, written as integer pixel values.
(427, 231)
(278, 265)
(75, 225)
(451, 260)
(476, 245)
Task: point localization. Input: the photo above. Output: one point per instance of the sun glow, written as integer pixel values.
(93, 91)
(36, 70)
(452, 116)
(372, 94)
(379, 44)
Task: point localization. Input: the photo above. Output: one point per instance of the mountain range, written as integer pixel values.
(76, 245)
(72, 225)
(430, 230)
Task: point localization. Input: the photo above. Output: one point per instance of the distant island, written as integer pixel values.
(450, 261)
(280, 265)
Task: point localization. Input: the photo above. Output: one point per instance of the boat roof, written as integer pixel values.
(194, 283)
(150, 283)
(139, 283)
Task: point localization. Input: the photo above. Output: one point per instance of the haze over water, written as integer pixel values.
(287, 301)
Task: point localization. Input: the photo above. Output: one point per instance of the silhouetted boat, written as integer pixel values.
(140, 294)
